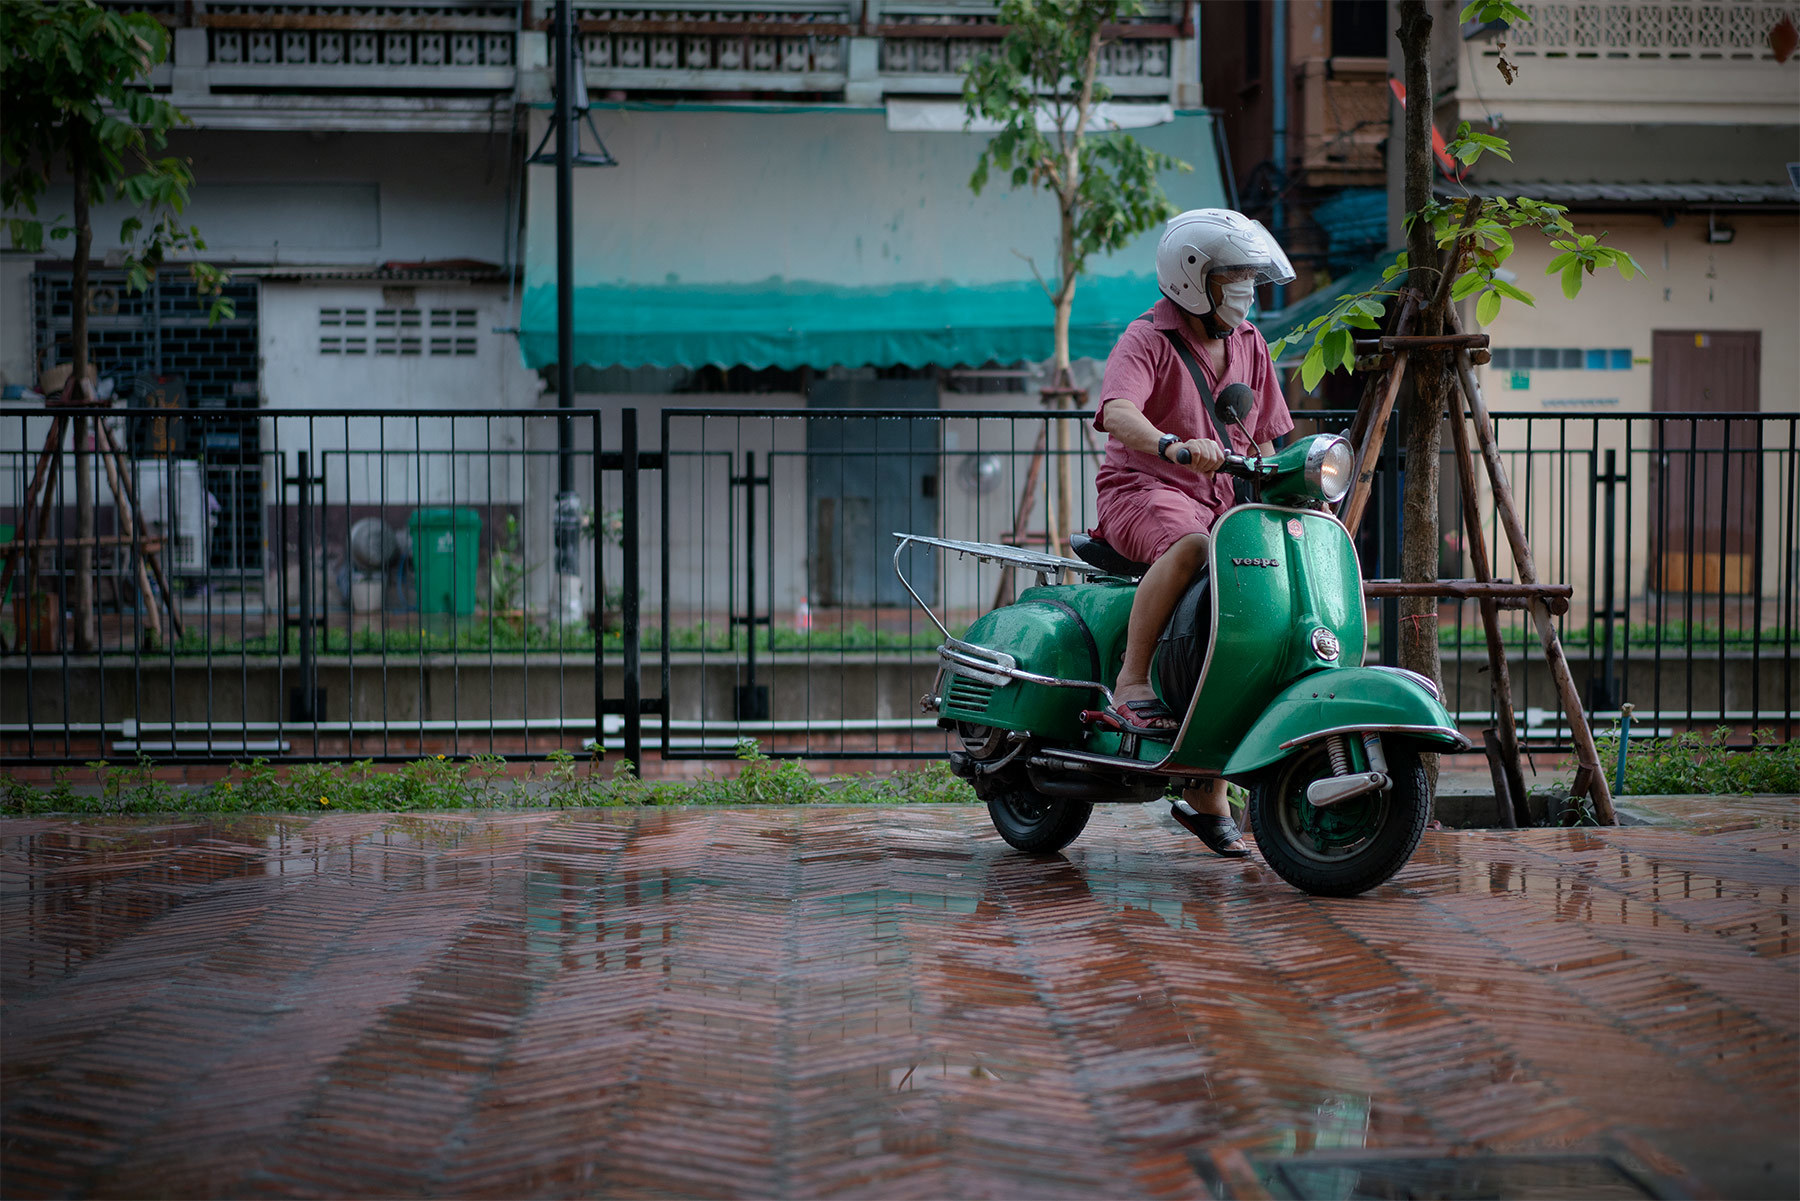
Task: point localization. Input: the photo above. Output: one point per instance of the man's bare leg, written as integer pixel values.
(1157, 593)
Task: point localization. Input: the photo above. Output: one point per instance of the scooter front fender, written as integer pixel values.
(1346, 699)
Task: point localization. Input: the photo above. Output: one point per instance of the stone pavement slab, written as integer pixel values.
(886, 1002)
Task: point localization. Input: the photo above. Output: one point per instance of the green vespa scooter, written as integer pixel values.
(1263, 656)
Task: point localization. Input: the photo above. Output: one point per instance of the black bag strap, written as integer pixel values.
(1241, 491)
(1207, 404)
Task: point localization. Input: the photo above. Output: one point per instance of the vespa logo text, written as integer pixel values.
(1256, 562)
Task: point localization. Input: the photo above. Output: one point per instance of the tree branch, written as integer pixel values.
(1447, 272)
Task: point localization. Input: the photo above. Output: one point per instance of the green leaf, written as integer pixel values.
(1467, 285)
(1571, 280)
(1512, 292)
(1338, 346)
(1488, 307)
(1628, 266)
(1312, 368)
(1560, 261)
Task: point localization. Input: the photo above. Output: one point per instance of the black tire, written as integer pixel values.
(1349, 848)
(1033, 822)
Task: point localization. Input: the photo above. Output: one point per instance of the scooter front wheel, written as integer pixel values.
(1351, 847)
(1033, 822)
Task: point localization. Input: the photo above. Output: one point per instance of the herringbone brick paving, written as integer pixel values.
(874, 1002)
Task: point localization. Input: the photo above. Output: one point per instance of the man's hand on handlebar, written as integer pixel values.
(1201, 455)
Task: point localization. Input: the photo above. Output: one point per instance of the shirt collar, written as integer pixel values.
(1166, 316)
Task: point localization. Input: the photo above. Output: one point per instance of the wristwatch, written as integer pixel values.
(1162, 446)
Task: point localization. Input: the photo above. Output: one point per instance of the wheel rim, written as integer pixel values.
(1327, 835)
(1027, 807)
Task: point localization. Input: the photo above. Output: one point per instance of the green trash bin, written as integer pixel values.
(446, 546)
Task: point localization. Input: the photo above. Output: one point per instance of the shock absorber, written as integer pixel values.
(1338, 747)
(1341, 785)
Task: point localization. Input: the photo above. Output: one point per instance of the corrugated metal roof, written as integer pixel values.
(1635, 193)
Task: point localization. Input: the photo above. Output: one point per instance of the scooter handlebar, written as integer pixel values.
(1236, 465)
(1239, 466)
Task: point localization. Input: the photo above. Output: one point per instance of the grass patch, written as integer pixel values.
(478, 636)
(1704, 764)
(560, 780)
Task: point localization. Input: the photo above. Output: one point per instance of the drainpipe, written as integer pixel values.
(1278, 78)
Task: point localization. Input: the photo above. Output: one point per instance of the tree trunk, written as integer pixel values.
(1060, 512)
(1420, 414)
(86, 630)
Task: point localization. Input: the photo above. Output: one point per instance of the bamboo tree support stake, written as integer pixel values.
(1589, 778)
(36, 518)
(129, 504)
(132, 530)
(1368, 429)
(1499, 675)
(1021, 526)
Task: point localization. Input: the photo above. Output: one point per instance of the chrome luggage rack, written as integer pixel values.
(980, 662)
(1046, 567)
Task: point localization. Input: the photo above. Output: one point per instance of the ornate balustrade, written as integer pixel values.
(1648, 29)
(830, 48)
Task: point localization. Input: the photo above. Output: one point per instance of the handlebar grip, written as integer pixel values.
(1239, 466)
(1183, 455)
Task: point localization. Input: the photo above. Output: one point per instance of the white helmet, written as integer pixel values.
(1200, 241)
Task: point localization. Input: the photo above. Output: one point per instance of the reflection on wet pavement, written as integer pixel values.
(708, 1002)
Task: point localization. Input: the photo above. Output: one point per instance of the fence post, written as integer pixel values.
(599, 552)
(1388, 543)
(752, 699)
(1604, 692)
(303, 702)
(629, 545)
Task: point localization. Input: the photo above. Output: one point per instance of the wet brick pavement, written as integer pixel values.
(881, 1002)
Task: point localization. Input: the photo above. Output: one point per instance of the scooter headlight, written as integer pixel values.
(1330, 467)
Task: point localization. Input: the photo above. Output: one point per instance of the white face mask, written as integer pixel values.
(1235, 298)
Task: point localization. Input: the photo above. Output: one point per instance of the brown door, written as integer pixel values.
(1704, 489)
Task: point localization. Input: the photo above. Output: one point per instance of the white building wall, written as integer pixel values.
(1750, 283)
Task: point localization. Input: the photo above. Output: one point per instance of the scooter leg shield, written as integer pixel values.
(1340, 700)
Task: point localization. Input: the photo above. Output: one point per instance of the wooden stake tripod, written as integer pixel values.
(1057, 397)
(1388, 357)
(39, 504)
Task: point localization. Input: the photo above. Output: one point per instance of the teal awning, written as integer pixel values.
(816, 236)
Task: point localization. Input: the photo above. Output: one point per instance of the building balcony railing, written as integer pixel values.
(1650, 61)
(1344, 112)
(228, 58)
(458, 45)
(1667, 29)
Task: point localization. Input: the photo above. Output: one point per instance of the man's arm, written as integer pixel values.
(1126, 422)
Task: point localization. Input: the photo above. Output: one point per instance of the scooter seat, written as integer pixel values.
(1102, 555)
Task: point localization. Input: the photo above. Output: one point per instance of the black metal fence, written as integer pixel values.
(425, 582)
(466, 582)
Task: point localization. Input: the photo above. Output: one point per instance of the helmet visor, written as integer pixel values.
(1256, 249)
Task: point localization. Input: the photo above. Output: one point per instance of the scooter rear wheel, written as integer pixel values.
(1033, 822)
(1346, 849)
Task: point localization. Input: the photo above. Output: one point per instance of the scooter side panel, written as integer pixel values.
(1278, 576)
(1042, 635)
(1356, 698)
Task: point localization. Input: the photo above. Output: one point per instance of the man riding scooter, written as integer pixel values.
(1156, 504)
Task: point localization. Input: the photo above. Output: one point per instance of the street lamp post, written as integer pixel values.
(565, 126)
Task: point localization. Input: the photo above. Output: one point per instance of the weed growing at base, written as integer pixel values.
(559, 780)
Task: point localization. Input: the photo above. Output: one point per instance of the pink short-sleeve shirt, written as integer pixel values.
(1145, 503)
